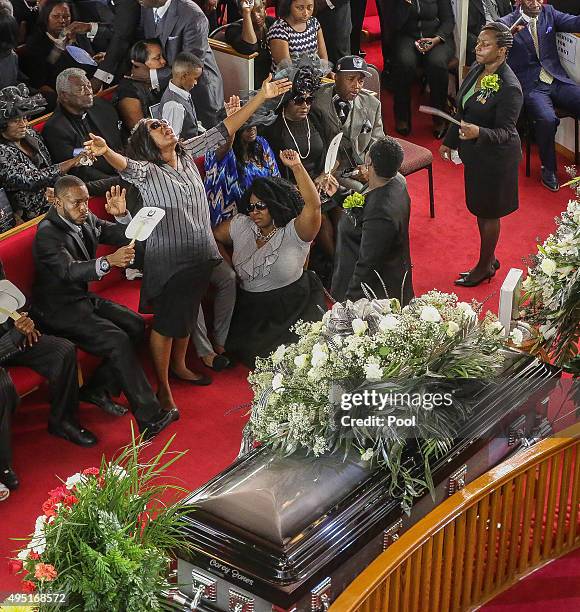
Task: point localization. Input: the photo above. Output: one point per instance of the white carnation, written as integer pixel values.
(467, 310)
(279, 354)
(277, 382)
(496, 327)
(74, 480)
(373, 371)
(452, 328)
(516, 336)
(388, 323)
(430, 314)
(319, 355)
(359, 327)
(548, 266)
(300, 361)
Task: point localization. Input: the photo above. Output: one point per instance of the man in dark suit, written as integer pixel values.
(181, 25)
(21, 344)
(65, 259)
(335, 20)
(372, 246)
(480, 13)
(545, 83)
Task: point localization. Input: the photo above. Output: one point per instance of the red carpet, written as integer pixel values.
(441, 248)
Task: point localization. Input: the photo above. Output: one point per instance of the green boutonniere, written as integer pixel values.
(489, 85)
(355, 200)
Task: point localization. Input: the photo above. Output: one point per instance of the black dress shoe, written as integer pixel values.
(549, 180)
(150, 429)
(203, 381)
(495, 264)
(8, 477)
(403, 128)
(103, 400)
(220, 362)
(73, 433)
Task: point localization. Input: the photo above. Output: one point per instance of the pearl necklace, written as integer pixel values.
(294, 139)
(267, 237)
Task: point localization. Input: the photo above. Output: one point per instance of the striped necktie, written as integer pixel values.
(545, 76)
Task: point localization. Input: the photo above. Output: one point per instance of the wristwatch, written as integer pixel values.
(104, 265)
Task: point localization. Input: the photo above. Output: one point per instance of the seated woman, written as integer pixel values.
(250, 36)
(424, 38)
(134, 97)
(373, 241)
(45, 55)
(26, 169)
(270, 243)
(231, 169)
(295, 33)
(9, 70)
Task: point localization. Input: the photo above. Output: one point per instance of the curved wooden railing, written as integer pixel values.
(481, 540)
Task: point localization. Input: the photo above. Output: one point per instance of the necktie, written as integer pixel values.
(342, 109)
(545, 76)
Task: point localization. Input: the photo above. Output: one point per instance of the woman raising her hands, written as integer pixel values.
(181, 251)
(271, 241)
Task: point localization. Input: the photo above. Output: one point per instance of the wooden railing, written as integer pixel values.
(481, 540)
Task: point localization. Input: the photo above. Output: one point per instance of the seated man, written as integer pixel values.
(64, 255)
(176, 103)
(545, 83)
(21, 344)
(480, 13)
(344, 106)
(181, 25)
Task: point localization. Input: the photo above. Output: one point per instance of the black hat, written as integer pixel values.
(16, 101)
(352, 63)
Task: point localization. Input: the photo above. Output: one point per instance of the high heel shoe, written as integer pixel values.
(495, 264)
(466, 281)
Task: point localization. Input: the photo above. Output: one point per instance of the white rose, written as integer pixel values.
(467, 310)
(279, 354)
(368, 454)
(452, 328)
(277, 382)
(301, 360)
(359, 327)
(388, 323)
(548, 266)
(516, 336)
(430, 314)
(373, 371)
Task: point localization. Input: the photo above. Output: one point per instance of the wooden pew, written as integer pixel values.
(237, 69)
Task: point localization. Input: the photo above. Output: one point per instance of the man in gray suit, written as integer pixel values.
(343, 106)
(181, 25)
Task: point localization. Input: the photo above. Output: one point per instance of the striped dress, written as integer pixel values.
(183, 239)
(299, 43)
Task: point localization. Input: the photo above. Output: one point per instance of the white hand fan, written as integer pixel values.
(144, 222)
(332, 153)
(11, 299)
(80, 56)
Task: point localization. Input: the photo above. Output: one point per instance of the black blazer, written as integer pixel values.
(498, 143)
(377, 243)
(476, 21)
(62, 139)
(424, 18)
(65, 265)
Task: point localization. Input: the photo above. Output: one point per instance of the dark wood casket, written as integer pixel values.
(274, 533)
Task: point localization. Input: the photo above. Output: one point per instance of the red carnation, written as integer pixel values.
(49, 506)
(14, 566)
(59, 493)
(69, 500)
(28, 586)
(33, 555)
(92, 471)
(45, 572)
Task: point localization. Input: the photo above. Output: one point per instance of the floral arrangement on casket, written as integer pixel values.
(435, 338)
(105, 537)
(551, 291)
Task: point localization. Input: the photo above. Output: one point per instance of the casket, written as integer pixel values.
(290, 533)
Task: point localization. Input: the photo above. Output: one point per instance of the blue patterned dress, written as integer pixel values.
(223, 185)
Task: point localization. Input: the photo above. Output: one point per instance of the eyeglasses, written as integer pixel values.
(257, 206)
(300, 100)
(155, 125)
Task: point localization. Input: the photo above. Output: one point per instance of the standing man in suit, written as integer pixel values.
(21, 344)
(181, 25)
(344, 107)
(335, 20)
(65, 259)
(545, 83)
(480, 13)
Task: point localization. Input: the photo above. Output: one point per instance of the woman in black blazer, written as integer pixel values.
(489, 103)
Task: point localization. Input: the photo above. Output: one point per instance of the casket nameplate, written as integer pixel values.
(230, 572)
(392, 534)
(457, 480)
(238, 602)
(320, 596)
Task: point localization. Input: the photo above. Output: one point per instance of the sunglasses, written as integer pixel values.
(155, 125)
(300, 100)
(257, 206)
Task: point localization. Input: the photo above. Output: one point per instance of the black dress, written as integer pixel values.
(372, 245)
(490, 161)
(128, 88)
